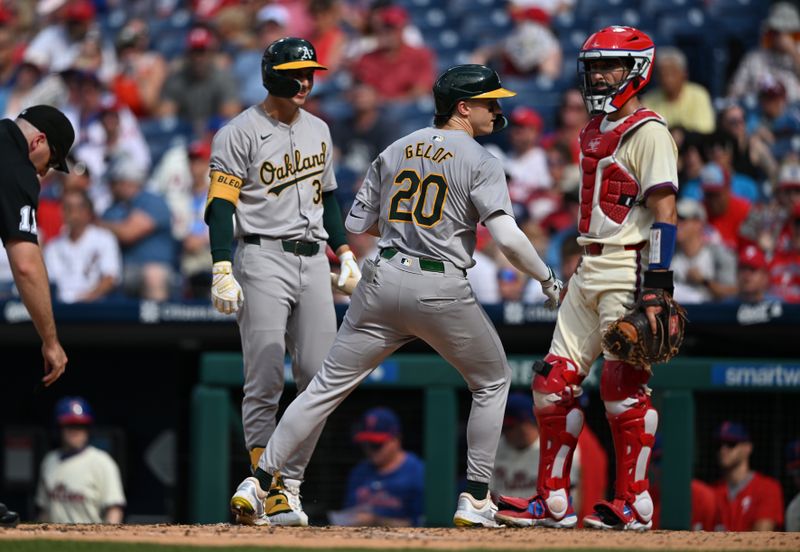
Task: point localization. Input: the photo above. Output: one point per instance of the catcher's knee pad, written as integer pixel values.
(633, 424)
(621, 380)
(556, 384)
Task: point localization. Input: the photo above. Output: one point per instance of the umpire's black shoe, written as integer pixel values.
(7, 517)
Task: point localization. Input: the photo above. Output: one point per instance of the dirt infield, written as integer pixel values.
(385, 538)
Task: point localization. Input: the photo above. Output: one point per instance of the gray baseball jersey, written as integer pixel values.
(275, 174)
(429, 190)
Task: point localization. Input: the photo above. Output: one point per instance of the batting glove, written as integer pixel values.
(226, 293)
(349, 268)
(552, 289)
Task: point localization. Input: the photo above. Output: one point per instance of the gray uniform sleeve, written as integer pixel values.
(489, 192)
(365, 210)
(230, 152)
(328, 176)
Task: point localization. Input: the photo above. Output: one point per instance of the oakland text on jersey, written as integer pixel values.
(271, 173)
(417, 151)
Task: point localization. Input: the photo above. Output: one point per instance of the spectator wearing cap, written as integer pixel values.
(793, 470)
(753, 276)
(526, 164)
(397, 70)
(269, 24)
(84, 260)
(785, 268)
(517, 460)
(530, 48)
(385, 489)
(778, 56)
(680, 102)
(78, 483)
(776, 122)
(703, 269)
(725, 211)
(73, 40)
(747, 500)
(199, 88)
(141, 71)
(141, 222)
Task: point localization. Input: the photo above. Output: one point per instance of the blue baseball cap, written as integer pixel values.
(732, 432)
(73, 411)
(519, 408)
(378, 425)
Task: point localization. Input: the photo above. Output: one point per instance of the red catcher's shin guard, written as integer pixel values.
(633, 423)
(556, 384)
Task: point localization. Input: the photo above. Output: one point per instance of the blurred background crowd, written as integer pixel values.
(146, 84)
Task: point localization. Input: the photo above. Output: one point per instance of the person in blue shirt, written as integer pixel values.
(386, 488)
(141, 222)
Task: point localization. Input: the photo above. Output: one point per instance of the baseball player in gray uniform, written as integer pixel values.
(271, 167)
(424, 197)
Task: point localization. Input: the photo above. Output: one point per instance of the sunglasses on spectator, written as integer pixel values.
(372, 447)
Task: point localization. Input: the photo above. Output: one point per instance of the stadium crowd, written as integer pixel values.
(147, 83)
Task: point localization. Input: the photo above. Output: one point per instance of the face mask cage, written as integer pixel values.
(600, 98)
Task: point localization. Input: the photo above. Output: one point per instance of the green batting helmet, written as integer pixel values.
(283, 55)
(464, 82)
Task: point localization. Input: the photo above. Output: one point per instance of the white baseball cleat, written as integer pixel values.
(475, 513)
(247, 503)
(282, 504)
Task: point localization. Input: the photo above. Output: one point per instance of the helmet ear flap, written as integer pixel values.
(277, 84)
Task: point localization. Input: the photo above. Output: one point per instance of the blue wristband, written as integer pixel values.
(662, 245)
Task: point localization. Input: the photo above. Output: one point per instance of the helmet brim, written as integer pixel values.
(494, 94)
(302, 64)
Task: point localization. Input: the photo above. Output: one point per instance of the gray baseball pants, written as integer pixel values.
(288, 307)
(394, 303)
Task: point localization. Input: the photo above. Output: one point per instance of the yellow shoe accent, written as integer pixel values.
(276, 503)
(255, 456)
(242, 506)
(460, 522)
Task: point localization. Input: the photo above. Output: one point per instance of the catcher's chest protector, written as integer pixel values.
(608, 190)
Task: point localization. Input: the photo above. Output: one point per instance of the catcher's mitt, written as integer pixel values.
(631, 339)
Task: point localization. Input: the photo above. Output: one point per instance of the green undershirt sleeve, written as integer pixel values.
(219, 217)
(332, 221)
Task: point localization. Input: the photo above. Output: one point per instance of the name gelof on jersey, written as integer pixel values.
(292, 165)
(421, 149)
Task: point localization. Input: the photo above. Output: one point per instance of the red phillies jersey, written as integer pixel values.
(729, 222)
(760, 498)
(705, 515)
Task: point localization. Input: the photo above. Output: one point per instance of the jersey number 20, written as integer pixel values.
(418, 192)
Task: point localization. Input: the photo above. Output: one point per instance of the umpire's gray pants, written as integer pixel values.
(392, 305)
(288, 306)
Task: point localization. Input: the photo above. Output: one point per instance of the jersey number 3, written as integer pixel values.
(417, 193)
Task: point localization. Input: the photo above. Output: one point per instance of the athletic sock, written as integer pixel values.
(264, 479)
(477, 490)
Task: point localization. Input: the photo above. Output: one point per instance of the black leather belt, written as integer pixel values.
(306, 249)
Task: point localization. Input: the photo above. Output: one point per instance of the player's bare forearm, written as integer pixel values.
(30, 275)
(662, 204)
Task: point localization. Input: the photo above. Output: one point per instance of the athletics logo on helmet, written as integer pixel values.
(471, 81)
(287, 54)
(633, 49)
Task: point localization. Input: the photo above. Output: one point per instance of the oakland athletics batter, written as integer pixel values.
(271, 167)
(424, 196)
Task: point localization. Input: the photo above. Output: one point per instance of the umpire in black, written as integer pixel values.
(35, 142)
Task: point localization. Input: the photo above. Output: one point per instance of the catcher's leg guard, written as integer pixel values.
(556, 385)
(633, 423)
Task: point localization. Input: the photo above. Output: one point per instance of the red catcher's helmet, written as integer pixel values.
(633, 48)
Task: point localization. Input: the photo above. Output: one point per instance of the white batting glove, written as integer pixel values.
(226, 293)
(552, 289)
(349, 268)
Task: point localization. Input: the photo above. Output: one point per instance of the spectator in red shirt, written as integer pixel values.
(726, 212)
(785, 267)
(395, 69)
(748, 500)
(753, 276)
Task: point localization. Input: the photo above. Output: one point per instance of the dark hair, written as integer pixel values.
(440, 120)
(87, 201)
